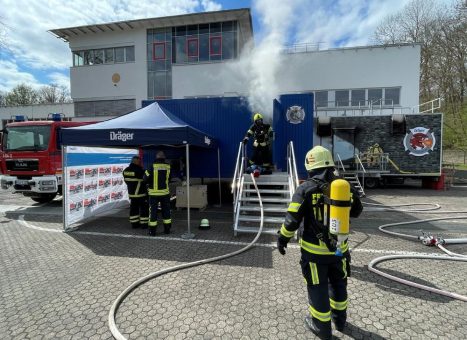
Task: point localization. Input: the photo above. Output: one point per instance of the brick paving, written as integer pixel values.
(61, 285)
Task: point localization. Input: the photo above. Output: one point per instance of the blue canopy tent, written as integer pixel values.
(148, 126)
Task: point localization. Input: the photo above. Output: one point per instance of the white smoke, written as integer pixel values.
(258, 66)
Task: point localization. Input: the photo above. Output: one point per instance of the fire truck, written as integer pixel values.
(31, 157)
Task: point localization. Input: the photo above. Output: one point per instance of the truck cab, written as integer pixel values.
(31, 158)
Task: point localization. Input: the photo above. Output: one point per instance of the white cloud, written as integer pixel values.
(27, 24)
(59, 79)
(11, 76)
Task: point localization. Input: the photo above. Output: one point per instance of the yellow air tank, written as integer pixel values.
(339, 211)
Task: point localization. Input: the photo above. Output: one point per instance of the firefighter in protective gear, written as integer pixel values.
(325, 273)
(133, 177)
(262, 137)
(157, 180)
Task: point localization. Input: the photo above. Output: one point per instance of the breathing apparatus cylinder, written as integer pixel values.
(339, 212)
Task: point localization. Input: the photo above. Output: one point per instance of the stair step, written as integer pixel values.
(278, 209)
(285, 183)
(246, 229)
(267, 219)
(265, 199)
(268, 191)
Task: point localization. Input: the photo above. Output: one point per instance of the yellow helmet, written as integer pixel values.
(317, 158)
(257, 116)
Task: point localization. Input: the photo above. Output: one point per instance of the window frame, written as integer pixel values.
(163, 43)
(188, 40)
(211, 38)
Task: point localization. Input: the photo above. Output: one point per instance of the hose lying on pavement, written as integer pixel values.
(427, 240)
(113, 310)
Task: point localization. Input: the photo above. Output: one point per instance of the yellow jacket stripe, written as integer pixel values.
(293, 207)
(323, 317)
(338, 305)
(286, 233)
(320, 249)
(133, 179)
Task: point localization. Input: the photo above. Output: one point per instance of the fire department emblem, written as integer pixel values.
(419, 142)
(295, 114)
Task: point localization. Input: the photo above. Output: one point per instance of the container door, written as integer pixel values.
(343, 142)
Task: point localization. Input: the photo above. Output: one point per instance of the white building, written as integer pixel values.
(118, 65)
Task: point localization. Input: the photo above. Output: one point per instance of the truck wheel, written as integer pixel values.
(43, 198)
(371, 183)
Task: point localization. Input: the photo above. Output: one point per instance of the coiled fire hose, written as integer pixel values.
(427, 240)
(113, 310)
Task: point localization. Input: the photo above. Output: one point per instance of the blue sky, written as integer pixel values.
(34, 56)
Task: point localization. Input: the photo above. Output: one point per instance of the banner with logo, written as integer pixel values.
(93, 181)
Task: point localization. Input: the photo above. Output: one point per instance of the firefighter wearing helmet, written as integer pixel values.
(262, 137)
(325, 265)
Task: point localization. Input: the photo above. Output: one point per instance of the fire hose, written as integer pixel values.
(426, 239)
(113, 310)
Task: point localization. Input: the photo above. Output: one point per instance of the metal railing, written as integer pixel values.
(360, 169)
(292, 173)
(237, 181)
(433, 105)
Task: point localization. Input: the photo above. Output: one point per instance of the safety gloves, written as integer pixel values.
(282, 244)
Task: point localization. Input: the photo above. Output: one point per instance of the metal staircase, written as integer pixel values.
(353, 176)
(276, 191)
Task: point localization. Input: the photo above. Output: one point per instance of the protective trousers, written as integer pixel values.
(165, 207)
(139, 212)
(261, 156)
(327, 293)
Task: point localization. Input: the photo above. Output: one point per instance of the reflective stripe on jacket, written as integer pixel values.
(157, 179)
(133, 177)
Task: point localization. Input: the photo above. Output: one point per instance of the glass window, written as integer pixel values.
(227, 45)
(204, 47)
(358, 97)
(215, 46)
(227, 26)
(192, 30)
(375, 96)
(321, 98)
(391, 96)
(158, 51)
(98, 56)
(109, 55)
(234, 25)
(192, 47)
(78, 58)
(215, 27)
(150, 84)
(180, 53)
(27, 138)
(160, 84)
(160, 65)
(150, 36)
(130, 54)
(181, 30)
(203, 28)
(159, 36)
(88, 58)
(342, 98)
(119, 55)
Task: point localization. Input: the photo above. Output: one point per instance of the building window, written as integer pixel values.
(129, 54)
(109, 56)
(158, 51)
(358, 98)
(215, 46)
(119, 53)
(204, 47)
(342, 98)
(78, 58)
(375, 97)
(392, 96)
(321, 98)
(98, 57)
(88, 58)
(192, 47)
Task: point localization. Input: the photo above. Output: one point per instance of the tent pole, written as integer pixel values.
(188, 234)
(219, 175)
(64, 183)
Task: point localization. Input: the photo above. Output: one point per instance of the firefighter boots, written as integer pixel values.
(152, 231)
(167, 227)
(312, 327)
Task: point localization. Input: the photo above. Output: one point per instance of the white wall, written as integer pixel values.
(94, 82)
(323, 70)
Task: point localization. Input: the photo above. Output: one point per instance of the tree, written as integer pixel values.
(53, 93)
(441, 33)
(21, 95)
(2, 98)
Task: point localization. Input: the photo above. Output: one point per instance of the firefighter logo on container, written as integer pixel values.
(419, 142)
(295, 114)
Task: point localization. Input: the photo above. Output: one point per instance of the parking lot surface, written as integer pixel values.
(56, 285)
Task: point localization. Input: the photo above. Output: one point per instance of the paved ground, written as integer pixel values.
(61, 286)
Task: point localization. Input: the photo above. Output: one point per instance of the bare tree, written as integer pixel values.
(53, 93)
(21, 95)
(2, 98)
(441, 32)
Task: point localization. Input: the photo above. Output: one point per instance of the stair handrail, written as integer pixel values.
(360, 165)
(435, 104)
(239, 168)
(340, 164)
(292, 173)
